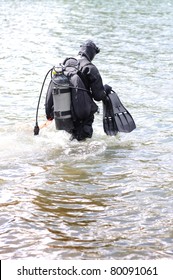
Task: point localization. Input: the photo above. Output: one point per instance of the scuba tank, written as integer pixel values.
(61, 93)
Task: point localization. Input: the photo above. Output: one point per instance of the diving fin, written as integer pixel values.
(109, 125)
(123, 119)
(116, 118)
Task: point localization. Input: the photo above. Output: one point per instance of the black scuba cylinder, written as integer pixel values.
(61, 93)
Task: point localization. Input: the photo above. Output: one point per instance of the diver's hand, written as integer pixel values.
(107, 89)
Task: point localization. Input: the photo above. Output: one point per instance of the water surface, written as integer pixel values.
(108, 197)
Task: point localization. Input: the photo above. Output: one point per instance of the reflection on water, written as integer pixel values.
(107, 197)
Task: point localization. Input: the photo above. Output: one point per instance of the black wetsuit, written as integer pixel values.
(93, 82)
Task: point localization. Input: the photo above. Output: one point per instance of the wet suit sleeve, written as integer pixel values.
(49, 103)
(96, 84)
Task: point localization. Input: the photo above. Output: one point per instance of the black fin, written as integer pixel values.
(109, 124)
(123, 119)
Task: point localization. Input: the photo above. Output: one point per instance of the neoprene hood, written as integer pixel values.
(89, 49)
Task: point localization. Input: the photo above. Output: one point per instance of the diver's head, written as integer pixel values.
(89, 49)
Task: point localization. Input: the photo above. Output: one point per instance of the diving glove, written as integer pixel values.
(107, 89)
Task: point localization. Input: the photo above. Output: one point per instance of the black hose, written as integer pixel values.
(36, 128)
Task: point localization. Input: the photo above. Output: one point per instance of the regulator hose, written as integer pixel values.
(36, 128)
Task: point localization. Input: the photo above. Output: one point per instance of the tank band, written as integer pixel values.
(64, 113)
(60, 90)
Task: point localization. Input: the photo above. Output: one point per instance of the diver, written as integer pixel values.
(89, 75)
(72, 93)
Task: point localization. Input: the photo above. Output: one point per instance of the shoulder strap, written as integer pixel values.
(83, 78)
(82, 64)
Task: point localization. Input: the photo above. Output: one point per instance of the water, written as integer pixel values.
(108, 197)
